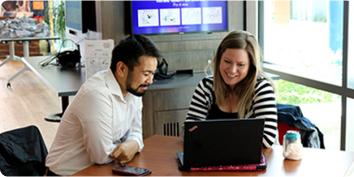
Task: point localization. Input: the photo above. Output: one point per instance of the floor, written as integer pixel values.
(27, 102)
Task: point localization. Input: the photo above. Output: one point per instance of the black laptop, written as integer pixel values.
(222, 142)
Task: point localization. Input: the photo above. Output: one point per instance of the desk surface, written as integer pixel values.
(65, 82)
(68, 81)
(178, 81)
(159, 155)
(28, 39)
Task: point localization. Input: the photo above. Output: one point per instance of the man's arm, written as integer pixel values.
(95, 114)
(126, 151)
(136, 132)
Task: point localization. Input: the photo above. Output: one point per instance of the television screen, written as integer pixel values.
(73, 15)
(80, 16)
(178, 16)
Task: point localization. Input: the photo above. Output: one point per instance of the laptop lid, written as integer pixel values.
(222, 142)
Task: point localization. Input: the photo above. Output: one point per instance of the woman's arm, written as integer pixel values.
(264, 106)
(198, 109)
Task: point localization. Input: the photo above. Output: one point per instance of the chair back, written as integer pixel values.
(290, 117)
(22, 152)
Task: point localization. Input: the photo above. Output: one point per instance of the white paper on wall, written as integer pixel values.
(97, 54)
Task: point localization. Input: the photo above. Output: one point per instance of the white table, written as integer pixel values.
(26, 52)
(64, 81)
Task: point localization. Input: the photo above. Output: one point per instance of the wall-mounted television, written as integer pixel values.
(80, 16)
(178, 16)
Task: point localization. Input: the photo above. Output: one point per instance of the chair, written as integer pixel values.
(290, 117)
(22, 152)
(283, 127)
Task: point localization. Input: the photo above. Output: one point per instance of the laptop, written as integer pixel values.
(232, 143)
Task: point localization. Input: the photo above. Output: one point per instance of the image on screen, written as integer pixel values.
(178, 16)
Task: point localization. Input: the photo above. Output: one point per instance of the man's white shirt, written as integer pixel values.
(96, 121)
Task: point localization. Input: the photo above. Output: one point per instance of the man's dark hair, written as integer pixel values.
(130, 49)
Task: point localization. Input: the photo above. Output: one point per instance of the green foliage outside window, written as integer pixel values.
(292, 93)
(58, 14)
(59, 24)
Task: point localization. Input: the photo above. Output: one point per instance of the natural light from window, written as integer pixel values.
(351, 47)
(305, 38)
(350, 102)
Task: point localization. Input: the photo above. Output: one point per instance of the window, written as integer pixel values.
(350, 123)
(313, 102)
(350, 101)
(308, 43)
(305, 38)
(351, 47)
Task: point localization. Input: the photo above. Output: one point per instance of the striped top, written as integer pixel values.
(263, 106)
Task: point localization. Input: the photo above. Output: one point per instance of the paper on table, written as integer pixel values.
(97, 55)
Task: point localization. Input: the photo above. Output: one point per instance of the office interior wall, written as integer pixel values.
(252, 17)
(182, 51)
(111, 19)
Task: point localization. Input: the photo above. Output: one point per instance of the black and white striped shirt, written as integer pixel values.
(263, 106)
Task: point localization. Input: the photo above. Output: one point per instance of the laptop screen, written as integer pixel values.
(222, 142)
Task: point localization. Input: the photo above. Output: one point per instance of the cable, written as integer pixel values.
(49, 59)
(46, 61)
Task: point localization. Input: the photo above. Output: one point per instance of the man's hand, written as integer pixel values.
(126, 151)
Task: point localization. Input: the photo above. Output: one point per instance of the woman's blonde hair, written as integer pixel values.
(246, 88)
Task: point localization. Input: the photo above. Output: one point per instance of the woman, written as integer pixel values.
(239, 88)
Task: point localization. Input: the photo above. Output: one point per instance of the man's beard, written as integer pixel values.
(135, 91)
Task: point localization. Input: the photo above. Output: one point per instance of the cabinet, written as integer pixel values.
(166, 103)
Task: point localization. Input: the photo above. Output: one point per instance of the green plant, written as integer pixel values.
(292, 93)
(57, 16)
(59, 22)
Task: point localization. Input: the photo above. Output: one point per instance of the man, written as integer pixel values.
(103, 122)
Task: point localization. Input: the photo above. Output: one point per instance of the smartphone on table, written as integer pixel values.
(123, 169)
